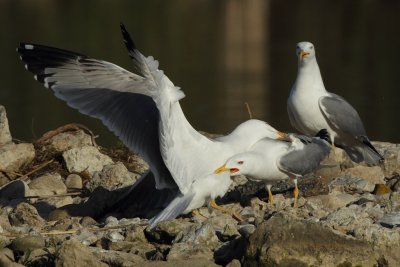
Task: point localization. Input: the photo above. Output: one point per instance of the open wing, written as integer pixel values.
(100, 89)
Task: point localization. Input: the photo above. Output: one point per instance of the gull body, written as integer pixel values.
(142, 108)
(311, 108)
(272, 160)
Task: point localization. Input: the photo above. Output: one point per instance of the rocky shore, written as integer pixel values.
(56, 195)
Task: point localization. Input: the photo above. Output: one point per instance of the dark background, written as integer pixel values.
(221, 53)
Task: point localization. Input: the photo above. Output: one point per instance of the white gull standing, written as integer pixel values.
(311, 108)
(143, 110)
(273, 160)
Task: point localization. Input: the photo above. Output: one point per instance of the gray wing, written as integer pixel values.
(306, 160)
(105, 91)
(341, 115)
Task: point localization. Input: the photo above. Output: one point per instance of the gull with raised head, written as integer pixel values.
(311, 108)
(273, 160)
(142, 108)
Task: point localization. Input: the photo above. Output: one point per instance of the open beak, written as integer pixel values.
(225, 169)
(221, 169)
(303, 54)
(283, 137)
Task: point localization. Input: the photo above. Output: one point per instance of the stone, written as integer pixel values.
(87, 238)
(86, 158)
(350, 184)
(332, 201)
(71, 139)
(234, 263)
(73, 181)
(112, 177)
(73, 253)
(229, 232)
(247, 229)
(197, 242)
(391, 153)
(287, 241)
(14, 190)
(8, 253)
(116, 258)
(25, 213)
(374, 175)
(115, 236)
(58, 214)
(175, 263)
(28, 243)
(5, 135)
(15, 156)
(48, 184)
(166, 231)
(87, 221)
(391, 220)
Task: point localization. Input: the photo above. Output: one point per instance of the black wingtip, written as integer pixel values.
(324, 134)
(366, 142)
(130, 45)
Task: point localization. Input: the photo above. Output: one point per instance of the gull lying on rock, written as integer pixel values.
(142, 108)
(312, 108)
(272, 160)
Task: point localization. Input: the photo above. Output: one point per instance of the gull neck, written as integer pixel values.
(309, 76)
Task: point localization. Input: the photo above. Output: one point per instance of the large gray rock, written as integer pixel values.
(48, 184)
(284, 240)
(117, 258)
(5, 135)
(87, 158)
(71, 139)
(14, 156)
(73, 253)
(112, 177)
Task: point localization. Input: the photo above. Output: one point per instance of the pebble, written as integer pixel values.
(28, 243)
(73, 181)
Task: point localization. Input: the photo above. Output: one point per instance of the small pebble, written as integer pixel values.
(73, 181)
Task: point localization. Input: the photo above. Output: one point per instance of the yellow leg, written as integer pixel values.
(270, 196)
(232, 213)
(295, 193)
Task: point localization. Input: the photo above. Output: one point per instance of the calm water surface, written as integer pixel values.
(221, 53)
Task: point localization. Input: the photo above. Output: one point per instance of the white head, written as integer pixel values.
(305, 52)
(241, 164)
(256, 130)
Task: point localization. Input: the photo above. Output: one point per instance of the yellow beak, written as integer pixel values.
(303, 54)
(283, 137)
(221, 169)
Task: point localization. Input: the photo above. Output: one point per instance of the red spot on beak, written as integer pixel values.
(233, 170)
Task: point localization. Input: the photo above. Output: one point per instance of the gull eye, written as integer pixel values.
(311, 47)
(240, 162)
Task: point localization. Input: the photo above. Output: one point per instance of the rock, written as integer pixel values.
(48, 184)
(350, 184)
(73, 253)
(73, 181)
(115, 236)
(14, 156)
(87, 158)
(287, 241)
(166, 231)
(197, 242)
(14, 190)
(230, 250)
(111, 221)
(28, 243)
(58, 214)
(87, 238)
(5, 135)
(116, 258)
(87, 221)
(229, 232)
(374, 175)
(4, 241)
(247, 229)
(331, 201)
(24, 213)
(391, 220)
(391, 153)
(8, 253)
(234, 263)
(381, 189)
(175, 263)
(112, 177)
(71, 139)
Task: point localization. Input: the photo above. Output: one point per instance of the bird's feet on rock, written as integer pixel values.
(197, 212)
(234, 215)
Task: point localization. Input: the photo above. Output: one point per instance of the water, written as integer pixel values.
(221, 53)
